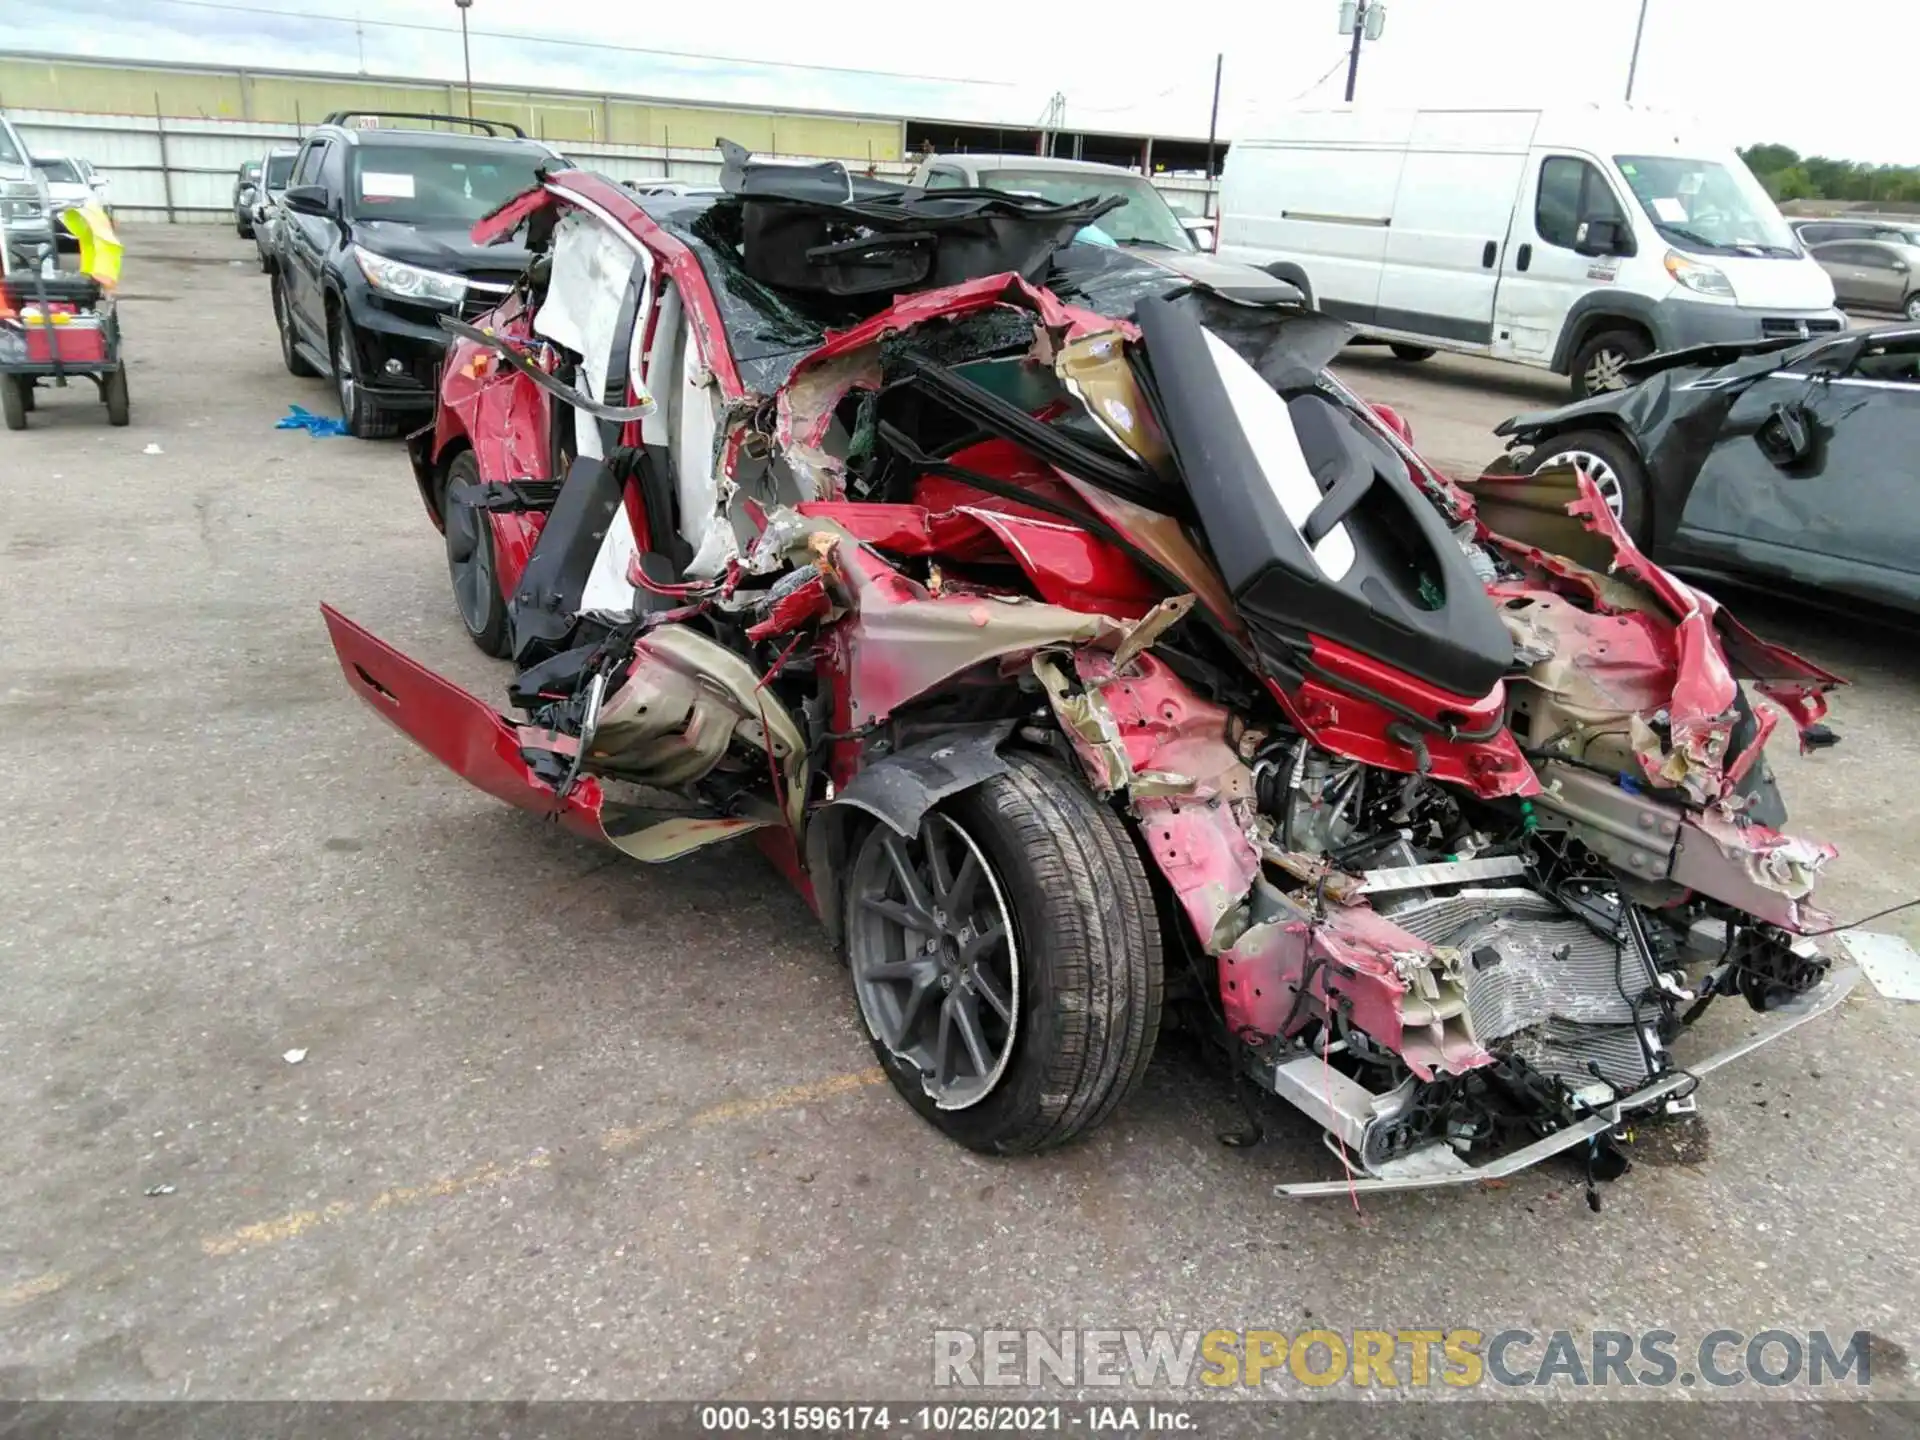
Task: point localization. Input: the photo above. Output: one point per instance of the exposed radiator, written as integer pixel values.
(1558, 993)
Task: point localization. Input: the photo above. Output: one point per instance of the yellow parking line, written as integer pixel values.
(727, 1111)
(299, 1222)
(33, 1289)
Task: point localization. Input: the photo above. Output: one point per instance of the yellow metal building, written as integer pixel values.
(180, 91)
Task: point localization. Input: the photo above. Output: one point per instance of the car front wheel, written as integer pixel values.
(1006, 960)
(1612, 466)
(1912, 307)
(1601, 359)
(365, 420)
(470, 563)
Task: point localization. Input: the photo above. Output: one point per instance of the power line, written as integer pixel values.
(1132, 104)
(597, 45)
(1331, 71)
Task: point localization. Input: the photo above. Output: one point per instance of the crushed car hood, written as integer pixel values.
(1227, 277)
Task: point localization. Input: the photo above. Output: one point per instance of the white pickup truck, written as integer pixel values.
(24, 212)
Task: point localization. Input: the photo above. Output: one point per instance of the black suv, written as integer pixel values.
(374, 248)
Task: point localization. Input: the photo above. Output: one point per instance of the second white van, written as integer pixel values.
(1575, 240)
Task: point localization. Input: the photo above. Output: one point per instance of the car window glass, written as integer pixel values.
(308, 170)
(1145, 219)
(426, 184)
(279, 167)
(58, 172)
(1895, 360)
(1571, 191)
(1840, 253)
(8, 155)
(1877, 257)
(1819, 234)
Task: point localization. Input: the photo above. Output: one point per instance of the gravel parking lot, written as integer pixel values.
(570, 1127)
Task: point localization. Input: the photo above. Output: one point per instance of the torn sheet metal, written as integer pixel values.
(681, 704)
(904, 641)
(1094, 371)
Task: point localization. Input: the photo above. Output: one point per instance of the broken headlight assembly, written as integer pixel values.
(409, 282)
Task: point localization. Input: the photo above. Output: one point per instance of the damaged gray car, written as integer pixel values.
(1787, 463)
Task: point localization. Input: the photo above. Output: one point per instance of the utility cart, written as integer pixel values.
(60, 325)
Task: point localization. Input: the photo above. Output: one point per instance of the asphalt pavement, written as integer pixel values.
(562, 1126)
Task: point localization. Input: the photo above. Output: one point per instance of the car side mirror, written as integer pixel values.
(308, 200)
(1598, 237)
(1785, 437)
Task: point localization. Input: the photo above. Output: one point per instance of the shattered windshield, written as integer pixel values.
(1704, 205)
(426, 185)
(1146, 218)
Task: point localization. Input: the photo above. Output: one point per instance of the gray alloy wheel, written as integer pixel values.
(1603, 370)
(470, 559)
(1912, 306)
(935, 959)
(343, 371)
(1605, 478)
(1600, 362)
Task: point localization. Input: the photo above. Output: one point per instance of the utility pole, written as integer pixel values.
(1364, 20)
(1634, 64)
(1213, 126)
(466, 54)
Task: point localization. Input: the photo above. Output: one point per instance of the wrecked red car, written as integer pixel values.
(1089, 656)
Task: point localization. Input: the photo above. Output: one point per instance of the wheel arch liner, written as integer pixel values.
(899, 789)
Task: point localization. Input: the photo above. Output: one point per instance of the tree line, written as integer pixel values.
(1790, 176)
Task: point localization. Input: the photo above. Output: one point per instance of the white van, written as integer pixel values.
(1575, 240)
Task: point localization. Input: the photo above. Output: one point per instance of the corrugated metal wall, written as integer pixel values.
(32, 84)
(202, 156)
(206, 124)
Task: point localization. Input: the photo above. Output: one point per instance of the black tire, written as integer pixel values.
(13, 401)
(113, 390)
(1412, 354)
(365, 420)
(242, 228)
(1617, 455)
(470, 562)
(290, 355)
(1597, 362)
(1910, 307)
(27, 392)
(1089, 978)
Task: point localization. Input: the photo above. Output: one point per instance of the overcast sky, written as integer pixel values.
(1825, 78)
